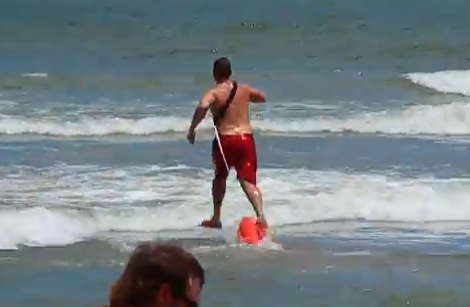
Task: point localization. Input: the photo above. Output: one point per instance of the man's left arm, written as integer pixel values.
(201, 110)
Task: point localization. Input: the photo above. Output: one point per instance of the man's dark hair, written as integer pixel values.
(150, 267)
(222, 68)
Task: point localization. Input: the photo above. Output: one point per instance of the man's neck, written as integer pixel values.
(218, 82)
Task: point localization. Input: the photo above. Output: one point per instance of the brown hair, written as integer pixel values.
(149, 267)
(222, 68)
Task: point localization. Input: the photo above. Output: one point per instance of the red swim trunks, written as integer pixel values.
(240, 153)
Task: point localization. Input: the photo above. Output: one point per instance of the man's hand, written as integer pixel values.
(257, 96)
(191, 136)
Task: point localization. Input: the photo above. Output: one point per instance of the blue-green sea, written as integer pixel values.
(363, 148)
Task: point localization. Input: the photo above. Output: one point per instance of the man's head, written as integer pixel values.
(222, 69)
(159, 275)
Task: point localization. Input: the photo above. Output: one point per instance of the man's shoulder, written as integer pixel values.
(211, 91)
(222, 91)
(243, 85)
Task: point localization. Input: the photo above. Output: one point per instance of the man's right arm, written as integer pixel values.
(257, 96)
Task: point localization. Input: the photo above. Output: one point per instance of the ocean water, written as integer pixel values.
(363, 148)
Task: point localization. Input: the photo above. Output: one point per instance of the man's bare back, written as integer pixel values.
(237, 118)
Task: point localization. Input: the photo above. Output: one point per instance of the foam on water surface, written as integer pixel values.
(448, 81)
(445, 119)
(65, 203)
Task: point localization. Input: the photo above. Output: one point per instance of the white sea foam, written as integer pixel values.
(65, 204)
(6, 104)
(447, 119)
(448, 81)
(92, 127)
(36, 74)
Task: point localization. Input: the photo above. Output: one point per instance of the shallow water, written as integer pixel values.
(363, 147)
(330, 271)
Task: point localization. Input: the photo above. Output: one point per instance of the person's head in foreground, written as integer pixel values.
(159, 275)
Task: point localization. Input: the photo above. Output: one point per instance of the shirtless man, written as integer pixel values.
(229, 103)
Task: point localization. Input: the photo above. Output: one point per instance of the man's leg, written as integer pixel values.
(246, 173)
(253, 193)
(218, 193)
(218, 186)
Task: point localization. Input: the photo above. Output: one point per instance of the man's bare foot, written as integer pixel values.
(261, 221)
(212, 223)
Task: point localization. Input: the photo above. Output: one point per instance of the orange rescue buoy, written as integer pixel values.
(249, 231)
